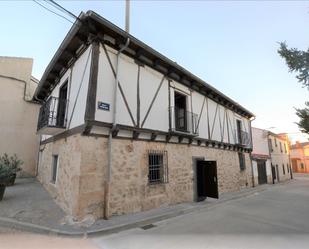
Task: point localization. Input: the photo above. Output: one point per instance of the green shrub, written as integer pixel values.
(9, 165)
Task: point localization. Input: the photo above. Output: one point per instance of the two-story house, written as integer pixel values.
(125, 129)
(300, 157)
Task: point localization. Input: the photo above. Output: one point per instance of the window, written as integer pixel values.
(280, 147)
(181, 112)
(54, 168)
(288, 168)
(302, 166)
(239, 128)
(157, 163)
(276, 142)
(242, 163)
(285, 148)
(283, 169)
(62, 105)
(270, 144)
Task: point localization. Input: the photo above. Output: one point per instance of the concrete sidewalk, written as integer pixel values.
(27, 206)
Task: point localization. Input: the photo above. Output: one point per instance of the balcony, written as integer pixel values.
(52, 117)
(183, 122)
(243, 138)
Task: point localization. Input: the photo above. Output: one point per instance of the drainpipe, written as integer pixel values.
(110, 137)
(252, 175)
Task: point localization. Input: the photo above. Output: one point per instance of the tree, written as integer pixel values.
(297, 61)
(303, 114)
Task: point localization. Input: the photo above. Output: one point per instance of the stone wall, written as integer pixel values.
(79, 185)
(79, 189)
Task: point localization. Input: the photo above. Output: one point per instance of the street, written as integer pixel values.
(274, 218)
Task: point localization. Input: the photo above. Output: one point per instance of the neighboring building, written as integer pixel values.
(125, 129)
(300, 157)
(18, 112)
(279, 147)
(261, 160)
(270, 157)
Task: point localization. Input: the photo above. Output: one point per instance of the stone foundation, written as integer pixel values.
(79, 188)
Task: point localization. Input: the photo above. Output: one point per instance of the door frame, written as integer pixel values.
(195, 183)
(194, 164)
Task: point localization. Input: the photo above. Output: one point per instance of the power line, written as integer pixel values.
(59, 7)
(52, 11)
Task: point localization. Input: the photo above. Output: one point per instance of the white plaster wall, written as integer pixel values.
(260, 141)
(75, 79)
(158, 118)
(81, 66)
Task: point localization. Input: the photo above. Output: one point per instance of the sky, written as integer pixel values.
(232, 45)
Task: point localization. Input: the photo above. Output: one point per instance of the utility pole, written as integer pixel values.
(127, 16)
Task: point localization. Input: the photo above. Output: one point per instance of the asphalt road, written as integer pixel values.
(275, 218)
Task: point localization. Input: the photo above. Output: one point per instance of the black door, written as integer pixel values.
(273, 172)
(62, 104)
(206, 176)
(262, 175)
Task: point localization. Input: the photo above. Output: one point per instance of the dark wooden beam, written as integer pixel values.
(168, 137)
(153, 136)
(180, 138)
(135, 134)
(115, 132)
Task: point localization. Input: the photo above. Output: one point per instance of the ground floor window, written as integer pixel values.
(157, 165)
(242, 163)
(54, 168)
(283, 169)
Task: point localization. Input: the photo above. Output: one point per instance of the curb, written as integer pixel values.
(29, 227)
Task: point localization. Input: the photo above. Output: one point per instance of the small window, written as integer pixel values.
(54, 168)
(242, 163)
(157, 163)
(280, 147)
(283, 169)
(276, 142)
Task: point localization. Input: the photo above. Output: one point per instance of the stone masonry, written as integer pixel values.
(79, 188)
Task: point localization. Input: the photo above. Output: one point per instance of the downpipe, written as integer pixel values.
(110, 137)
(252, 172)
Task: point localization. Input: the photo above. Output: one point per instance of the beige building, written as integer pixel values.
(300, 157)
(18, 112)
(125, 129)
(261, 159)
(280, 156)
(270, 157)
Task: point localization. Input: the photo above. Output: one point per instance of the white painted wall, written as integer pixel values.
(158, 118)
(75, 80)
(260, 141)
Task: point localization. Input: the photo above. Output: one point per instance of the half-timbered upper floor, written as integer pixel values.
(156, 99)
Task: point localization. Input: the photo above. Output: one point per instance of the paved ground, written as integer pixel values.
(27, 206)
(275, 218)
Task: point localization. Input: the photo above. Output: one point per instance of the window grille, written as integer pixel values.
(157, 164)
(242, 163)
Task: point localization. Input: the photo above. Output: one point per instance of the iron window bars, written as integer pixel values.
(157, 165)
